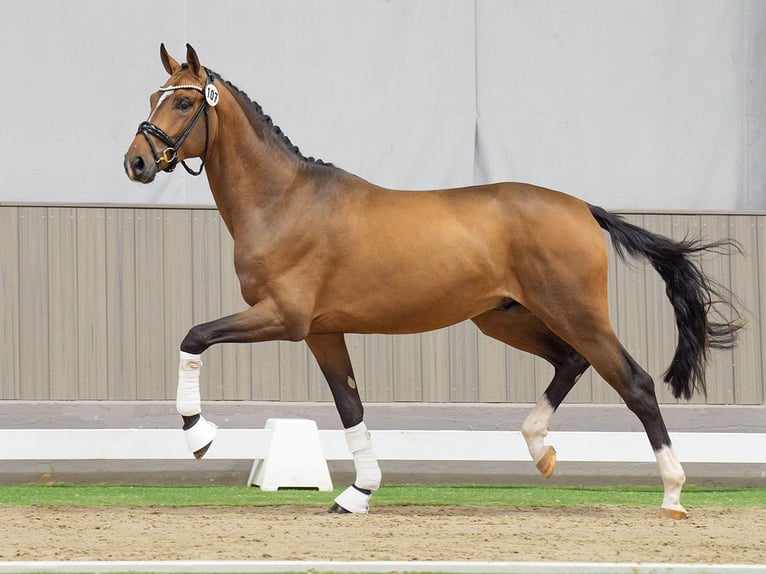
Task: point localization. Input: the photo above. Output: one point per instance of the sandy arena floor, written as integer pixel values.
(602, 533)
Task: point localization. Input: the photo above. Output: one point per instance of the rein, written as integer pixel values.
(170, 154)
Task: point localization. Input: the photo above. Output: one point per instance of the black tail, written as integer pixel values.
(690, 291)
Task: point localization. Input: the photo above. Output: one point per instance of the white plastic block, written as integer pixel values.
(293, 458)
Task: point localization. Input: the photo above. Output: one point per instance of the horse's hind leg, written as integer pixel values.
(521, 329)
(332, 355)
(636, 388)
(589, 331)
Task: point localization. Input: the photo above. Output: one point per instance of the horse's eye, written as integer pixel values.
(184, 104)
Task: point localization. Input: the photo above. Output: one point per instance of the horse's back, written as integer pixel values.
(437, 257)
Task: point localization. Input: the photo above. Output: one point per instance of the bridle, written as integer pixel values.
(170, 154)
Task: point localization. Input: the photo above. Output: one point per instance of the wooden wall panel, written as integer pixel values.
(10, 377)
(236, 362)
(96, 300)
(747, 275)
(177, 281)
(492, 370)
(434, 361)
(720, 373)
(34, 316)
(92, 351)
(62, 303)
(407, 375)
(151, 357)
(464, 363)
(121, 304)
(758, 311)
(206, 294)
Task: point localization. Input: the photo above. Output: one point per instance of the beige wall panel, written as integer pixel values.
(178, 307)
(92, 352)
(434, 356)
(463, 361)
(759, 311)
(9, 306)
(33, 304)
(121, 304)
(493, 370)
(131, 282)
(378, 368)
(150, 309)
(747, 357)
(293, 371)
(407, 376)
(720, 371)
(264, 371)
(525, 374)
(206, 293)
(62, 303)
(236, 362)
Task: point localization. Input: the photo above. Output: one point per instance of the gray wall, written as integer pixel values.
(631, 104)
(94, 302)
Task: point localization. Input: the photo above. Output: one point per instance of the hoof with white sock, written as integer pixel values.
(353, 500)
(200, 436)
(534, 430)
(673, 479)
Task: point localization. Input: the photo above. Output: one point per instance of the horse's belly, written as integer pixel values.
(406, 308)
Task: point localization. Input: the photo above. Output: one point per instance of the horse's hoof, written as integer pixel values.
(198, 454)
(547, 462)
(674, 513)
(337, 509)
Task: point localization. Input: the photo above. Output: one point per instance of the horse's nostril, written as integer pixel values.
(138, 165)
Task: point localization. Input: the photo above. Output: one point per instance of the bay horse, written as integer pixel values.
(320, 252)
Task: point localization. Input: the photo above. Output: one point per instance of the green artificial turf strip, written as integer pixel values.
(433, 495)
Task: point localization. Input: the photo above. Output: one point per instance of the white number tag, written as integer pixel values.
(211, 94)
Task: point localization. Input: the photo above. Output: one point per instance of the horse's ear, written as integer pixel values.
(192, 59)
(170, 65)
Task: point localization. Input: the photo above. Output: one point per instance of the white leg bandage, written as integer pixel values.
(355, 498)
(368, 474)
(187, 394)
(188, 403)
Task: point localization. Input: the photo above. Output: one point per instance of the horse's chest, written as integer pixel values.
(254, 274)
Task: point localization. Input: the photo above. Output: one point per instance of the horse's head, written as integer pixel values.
(180, 124)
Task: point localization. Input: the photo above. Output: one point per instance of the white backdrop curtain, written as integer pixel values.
(645, 104)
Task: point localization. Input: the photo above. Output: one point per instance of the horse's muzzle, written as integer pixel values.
(139, 168)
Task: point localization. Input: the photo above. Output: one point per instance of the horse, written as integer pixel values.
(320, 252)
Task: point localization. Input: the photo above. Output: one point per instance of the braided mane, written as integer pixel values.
(255, 109)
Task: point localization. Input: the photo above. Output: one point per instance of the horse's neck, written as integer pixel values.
(248, 174)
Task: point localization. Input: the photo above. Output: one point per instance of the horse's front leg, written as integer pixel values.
(332, 355)
(260, 322)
